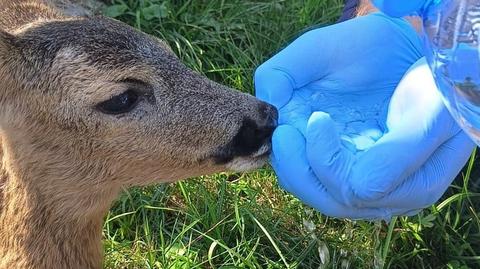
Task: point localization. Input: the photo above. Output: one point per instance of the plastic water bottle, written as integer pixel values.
(452, 40)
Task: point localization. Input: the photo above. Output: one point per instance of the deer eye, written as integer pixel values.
(119, 104)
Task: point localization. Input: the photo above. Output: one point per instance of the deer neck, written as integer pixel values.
(46, 220)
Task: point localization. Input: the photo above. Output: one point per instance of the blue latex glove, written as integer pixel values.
(399, 8)
(347, 145)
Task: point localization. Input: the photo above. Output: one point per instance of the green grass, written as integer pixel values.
(245, 220)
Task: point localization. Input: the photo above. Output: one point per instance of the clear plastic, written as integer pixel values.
(452, 49)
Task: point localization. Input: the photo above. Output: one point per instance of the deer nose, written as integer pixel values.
(253, 138)
(267, 122)
(254, 134)
(270, 115)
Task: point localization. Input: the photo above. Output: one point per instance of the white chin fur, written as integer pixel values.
(244, 164)
(262, 150)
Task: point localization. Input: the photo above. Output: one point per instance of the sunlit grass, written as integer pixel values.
(245, 220)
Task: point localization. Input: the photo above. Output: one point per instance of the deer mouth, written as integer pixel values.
(252, 144)
(243, 154)
(264, 151)
(251, 140)
(244, 164)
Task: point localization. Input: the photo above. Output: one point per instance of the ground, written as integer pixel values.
(246, 220)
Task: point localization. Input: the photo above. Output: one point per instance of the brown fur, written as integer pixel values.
(63, 161)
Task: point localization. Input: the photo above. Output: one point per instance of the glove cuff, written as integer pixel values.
(399, 8)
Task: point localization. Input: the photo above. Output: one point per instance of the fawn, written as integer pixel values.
(89, 105)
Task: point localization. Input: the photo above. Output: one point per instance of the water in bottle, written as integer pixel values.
(452, 48)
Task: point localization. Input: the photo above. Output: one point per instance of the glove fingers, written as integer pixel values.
(418, 124)
(295, 175)
(316, 56)
(385, 166)
(427, 185)
(329, 160)
(273, 86)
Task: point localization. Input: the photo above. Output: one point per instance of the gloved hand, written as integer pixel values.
(348, 144)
